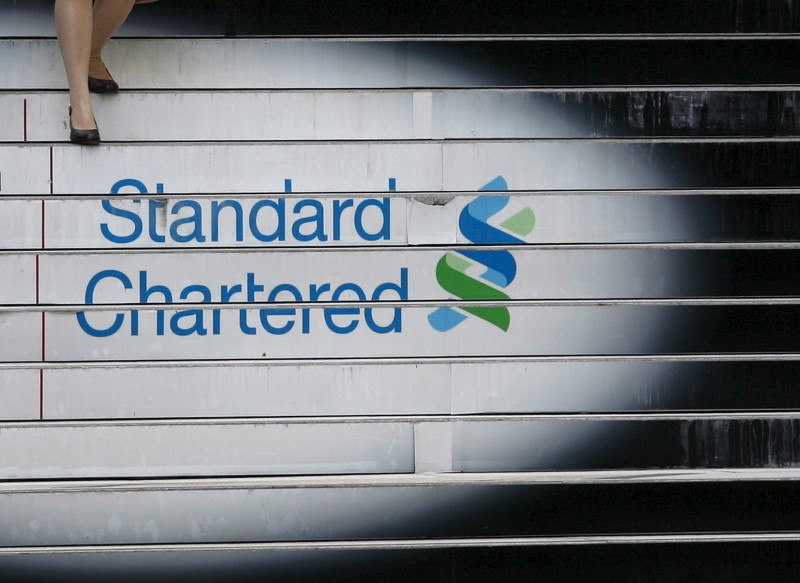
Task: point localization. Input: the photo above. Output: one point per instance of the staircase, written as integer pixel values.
(506, 292)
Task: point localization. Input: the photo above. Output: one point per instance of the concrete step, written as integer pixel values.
(379, 445)
(440, 166)
(754, 218)
(256, 63)
(543, 276)
(629, 327)
(173, 448)
(141, 116)
(352, 387)
(394, 507)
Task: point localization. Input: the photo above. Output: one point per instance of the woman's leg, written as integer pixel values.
(108, 17)
(74, 29)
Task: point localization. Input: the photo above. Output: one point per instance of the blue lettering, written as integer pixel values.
(384, 207)
(318, 217)
(108, 206)
(145, 293)
(273, 297)
(216, 207)
(89, 300)
(252, 289)
(315, 295)
(279, 234)
(153, 206)
(331, 312)
(195, 220)
(197, 327)
(136, 230)
(338, 208)
(227, 295)
(401, 289)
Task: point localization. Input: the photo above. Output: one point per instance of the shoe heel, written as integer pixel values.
(103, 86)
(83, 137)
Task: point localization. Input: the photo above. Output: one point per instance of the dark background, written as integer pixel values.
(418, 17)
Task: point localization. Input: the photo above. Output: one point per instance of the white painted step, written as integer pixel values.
(212, 516)
(328, 167)
(556, 274)
(394, 114)
(287, 509)
(413, 219)
(69, 450)
(245, 63)
(378, 332)
(346, 387)
(143, 116)
(252, 447)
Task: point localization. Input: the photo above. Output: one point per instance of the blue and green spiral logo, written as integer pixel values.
(500, 266)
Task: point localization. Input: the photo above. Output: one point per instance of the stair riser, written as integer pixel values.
(364, 115)
(566, 330)
(252, 449)
(356, 167)
(319, 64)
(562, 274)
(563, 219)
(311, 389)
(327, 514)
(324, 448)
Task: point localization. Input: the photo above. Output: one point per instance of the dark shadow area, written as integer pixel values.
(391, 17)
(445, 17)
(734, 562)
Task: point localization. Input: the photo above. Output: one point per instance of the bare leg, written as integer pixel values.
(108, 17)
(74, 29)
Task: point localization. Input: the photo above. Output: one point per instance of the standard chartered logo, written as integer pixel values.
(454, 270)
(474, 273)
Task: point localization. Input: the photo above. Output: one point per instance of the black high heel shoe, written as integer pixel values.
(83, 137)
(103, 85)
